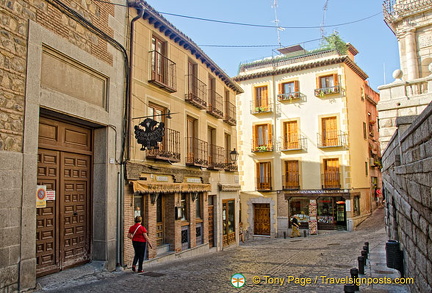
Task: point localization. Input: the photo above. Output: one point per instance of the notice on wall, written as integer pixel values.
(50, 195)
(41, 196)
(313, 224)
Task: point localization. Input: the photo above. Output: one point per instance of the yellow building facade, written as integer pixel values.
(305, 148)
(183, 183)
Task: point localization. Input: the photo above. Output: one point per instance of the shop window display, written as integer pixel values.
(300, 208)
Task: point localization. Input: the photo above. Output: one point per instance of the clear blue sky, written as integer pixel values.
(376, 43)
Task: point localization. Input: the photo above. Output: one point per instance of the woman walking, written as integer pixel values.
(138, 234)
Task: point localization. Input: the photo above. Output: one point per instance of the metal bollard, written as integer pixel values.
(284, 235)
(367, 244)
(354, 275)
(361, 264)
(304, 233)
(365, 255)
(350, 288)
(366, 248)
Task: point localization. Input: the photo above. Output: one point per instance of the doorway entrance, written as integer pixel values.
(64, 166)
(262, 219)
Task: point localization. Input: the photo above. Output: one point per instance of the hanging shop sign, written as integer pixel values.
(149, 133)
(41, 196)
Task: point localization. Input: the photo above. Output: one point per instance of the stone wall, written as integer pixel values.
(407, 180)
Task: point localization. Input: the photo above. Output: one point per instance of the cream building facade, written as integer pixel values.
(305, 128)
(186, 189)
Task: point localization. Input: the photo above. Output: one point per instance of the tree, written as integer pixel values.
(334, 42)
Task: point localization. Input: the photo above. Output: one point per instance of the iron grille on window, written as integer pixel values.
(169, 149)
(216, 157)
(264, 182)
(163, 72)
(215, 106)
(230, 113)
(196, 92)
(291, 181)
(332, 138)
(197, 152)
(331, 180)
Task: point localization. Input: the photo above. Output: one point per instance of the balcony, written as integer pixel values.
(330, 180)
(196, 92)
(331, 138)
(291, 181)
(260, 109)
(169, 149)
(394, 10)
(325, 91)
(163, 72)
(262, 146)
(216, 159)
(215, 107)
(293, 142)
(197, 152)
(264, 183)
(231, 167)
(230, 113)
(291, 97)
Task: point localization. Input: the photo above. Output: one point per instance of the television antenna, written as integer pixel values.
(322, 29)
(276, 21)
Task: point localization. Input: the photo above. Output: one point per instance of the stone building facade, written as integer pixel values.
(407, 182)
(62, 85)
(408, 94)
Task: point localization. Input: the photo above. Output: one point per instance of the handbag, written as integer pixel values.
(130, 236)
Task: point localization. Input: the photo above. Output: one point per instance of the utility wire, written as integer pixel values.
(253, 46)
(267, 26)
(251, 24)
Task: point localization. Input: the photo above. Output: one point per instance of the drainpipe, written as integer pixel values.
(126, 143)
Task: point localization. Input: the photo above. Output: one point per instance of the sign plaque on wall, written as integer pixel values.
(41, 196)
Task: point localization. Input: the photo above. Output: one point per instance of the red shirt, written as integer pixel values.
(139, 234)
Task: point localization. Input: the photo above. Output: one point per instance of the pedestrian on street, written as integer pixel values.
(138, 234)
(241, 232)
(295, 232)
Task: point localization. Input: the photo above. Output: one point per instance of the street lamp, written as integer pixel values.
(234, 155)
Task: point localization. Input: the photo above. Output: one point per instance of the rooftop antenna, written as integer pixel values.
(322, 29)
(276, 21)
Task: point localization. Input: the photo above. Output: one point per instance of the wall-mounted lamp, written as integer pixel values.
(234, 155)
(154, 197)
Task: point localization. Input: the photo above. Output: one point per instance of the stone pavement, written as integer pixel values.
(323, 259)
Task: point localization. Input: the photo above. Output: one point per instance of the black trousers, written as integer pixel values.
(140, 251)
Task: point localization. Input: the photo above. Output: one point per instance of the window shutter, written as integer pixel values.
(335, 79)
(318, 82)
(296, 86)
(264, 96)
(280, 88)
(254, 136)
(270, 135)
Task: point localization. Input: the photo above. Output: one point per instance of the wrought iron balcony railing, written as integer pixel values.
(293, 142)
(261, 108)
(332, 138)
(230, 113)
(196, 92)
(261, 146)
(216, 157)
(169, 149)
(197, 152)
(162, 72)
(290, 97)
(215, 105)
(324, 91)
(331, 180)
(264, 183)
(291, 181)
(230, 166)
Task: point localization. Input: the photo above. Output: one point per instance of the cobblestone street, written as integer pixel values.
(331, 254)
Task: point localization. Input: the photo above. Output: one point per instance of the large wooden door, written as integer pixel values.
(262, 219)
(64, 166)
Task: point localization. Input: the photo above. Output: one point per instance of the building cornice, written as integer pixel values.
(304, 66)
(169, 30)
